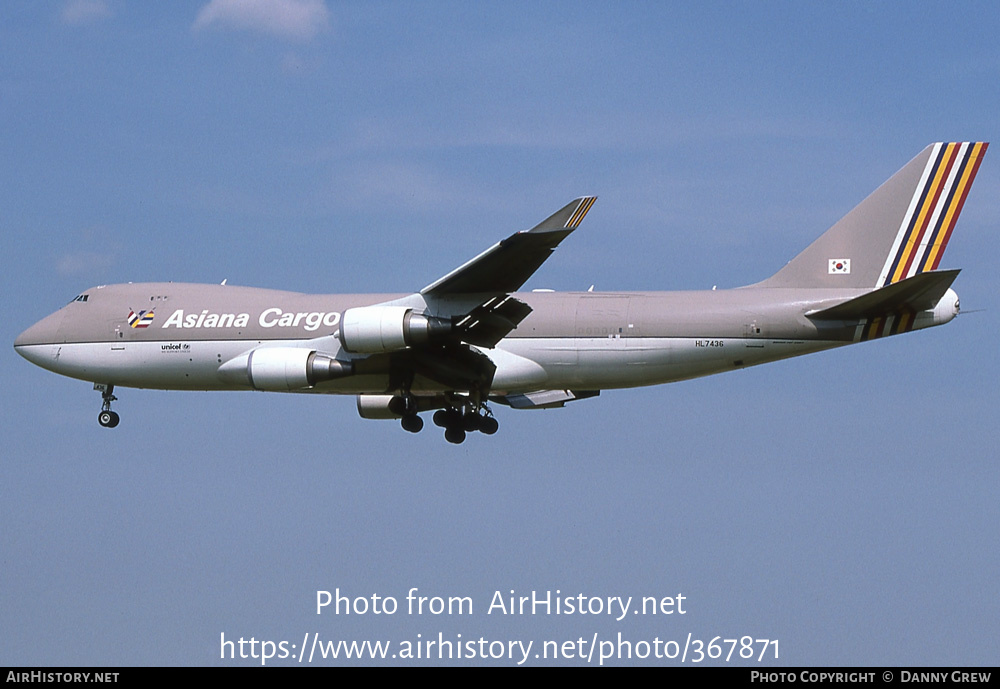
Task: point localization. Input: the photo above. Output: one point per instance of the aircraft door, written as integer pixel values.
(119, 333)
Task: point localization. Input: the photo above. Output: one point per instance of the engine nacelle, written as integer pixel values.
(396, 406)
(282, 369)
(379, 406)
(375, 329)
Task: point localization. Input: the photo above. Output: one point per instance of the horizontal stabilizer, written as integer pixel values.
(546, 399)
(918, 293)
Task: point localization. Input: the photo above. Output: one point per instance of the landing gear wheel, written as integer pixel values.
(471, 421)
(488, 425)
(107, 418)
(455, 435)
(412, 423)
(448, 418)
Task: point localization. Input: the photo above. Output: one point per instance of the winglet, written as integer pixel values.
(568, 217)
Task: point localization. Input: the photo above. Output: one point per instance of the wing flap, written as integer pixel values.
(490, 322)
(545, 399)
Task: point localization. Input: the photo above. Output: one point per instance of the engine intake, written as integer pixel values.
(375, 329)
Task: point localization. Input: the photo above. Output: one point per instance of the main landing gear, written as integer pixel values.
(107, 418)
(405, 406)
(461, 417)
(457, 424)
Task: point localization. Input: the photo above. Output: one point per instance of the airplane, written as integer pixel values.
(471, 338)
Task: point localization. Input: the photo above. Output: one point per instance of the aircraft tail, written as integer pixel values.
(899, 231)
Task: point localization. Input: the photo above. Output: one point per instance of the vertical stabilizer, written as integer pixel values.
(899, 231)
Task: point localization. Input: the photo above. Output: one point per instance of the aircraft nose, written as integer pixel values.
(32, 343)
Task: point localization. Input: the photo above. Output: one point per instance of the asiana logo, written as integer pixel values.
(141, 319)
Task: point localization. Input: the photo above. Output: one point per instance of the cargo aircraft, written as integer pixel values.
(471, 338)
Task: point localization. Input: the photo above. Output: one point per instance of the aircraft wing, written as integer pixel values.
(472, 306)
(508, 264)
(502, 269)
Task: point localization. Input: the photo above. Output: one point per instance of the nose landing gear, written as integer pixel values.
(107, 418)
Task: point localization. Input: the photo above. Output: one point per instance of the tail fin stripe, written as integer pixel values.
(899, 244)
(971, 167)
(928, 224)
(945, 217)
(928, 196)
(930, 213)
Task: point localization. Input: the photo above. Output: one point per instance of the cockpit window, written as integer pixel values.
(80, 297)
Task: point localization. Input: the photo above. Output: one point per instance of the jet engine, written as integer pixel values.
(379, 406)
(395, 406)
(375, 329)
(281, 369)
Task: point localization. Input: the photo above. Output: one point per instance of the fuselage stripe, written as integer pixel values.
(908, 319)
(901, 323)
(886, 326)
(872, 330)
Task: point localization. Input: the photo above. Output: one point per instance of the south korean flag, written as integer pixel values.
(840, 266)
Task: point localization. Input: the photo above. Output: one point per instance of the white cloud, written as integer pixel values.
(83, 263)
(85, 11)
(297, 20)
(415, 187)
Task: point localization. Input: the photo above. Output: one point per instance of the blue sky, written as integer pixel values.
(842, 503)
